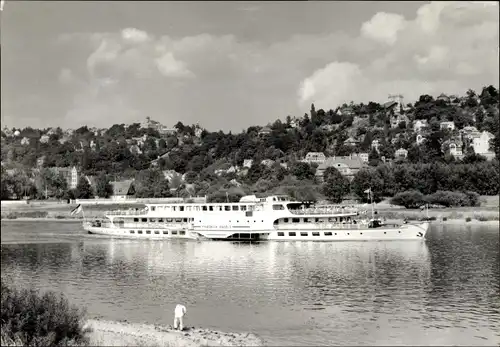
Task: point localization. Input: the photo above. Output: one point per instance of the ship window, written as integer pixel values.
(243, 207)
(348, 234)
(152, 220)
(174, 232)
(139, 231)
(160, 220)
(280, 233)
(278, 207)
(157, 231)
(328, 233)
(204, 208)
(317, 220)
(136, 219)
(165, 232)
(182, 232)
(144, 219)
(361, 233)
(315, 233)
(303, 233)
(292, 233)
(153, 208)
(285, 220)
(169, 220)
(188, 208)
(295, 220)
(178, 220)
(235, 208)
(181, 208)
(248, 214)
(306, 220)
(185, 220)
(210, 208)
(219, 208)
(173, 208)
(227, 208)
(132, 231)
(148, 231)
(341, 219)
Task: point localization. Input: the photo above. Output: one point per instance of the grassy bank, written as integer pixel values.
(30, 318)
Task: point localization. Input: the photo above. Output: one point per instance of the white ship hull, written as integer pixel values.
(153, 235)
(409, 232)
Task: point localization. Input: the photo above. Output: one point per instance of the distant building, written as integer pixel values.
(267, 162)
(44, 138)
(375, 144)
(447, 126)
(401, 153)
(265, 131)
(444, 98)
(481, 143)
(122, 190)
(455, 147)
(351, 141)
(362, 156)
(420, 124)
(25, 141)
(348, 166)
(314, 157)
(247, 163)
(398, 119)
(70, 174)
(420, 139)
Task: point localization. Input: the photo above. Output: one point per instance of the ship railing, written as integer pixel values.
(127, 212)
(323, 211)
(320, 226)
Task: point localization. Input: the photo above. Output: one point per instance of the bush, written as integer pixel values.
(468, 219)
(473, 198)
(451, 199)
(32, 319)
(445, 219)
(408, 199)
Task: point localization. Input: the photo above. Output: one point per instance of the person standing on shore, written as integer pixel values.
(180, 311)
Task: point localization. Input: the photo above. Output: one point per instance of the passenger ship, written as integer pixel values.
(252, 219)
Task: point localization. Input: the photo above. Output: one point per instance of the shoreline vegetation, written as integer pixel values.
(31, 318)
(488, 211)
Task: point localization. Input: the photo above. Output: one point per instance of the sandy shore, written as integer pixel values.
(109, 333)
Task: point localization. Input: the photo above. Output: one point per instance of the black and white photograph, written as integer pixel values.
(250, 173)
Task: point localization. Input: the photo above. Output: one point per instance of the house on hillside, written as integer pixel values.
(447, 126)
(419, 125)
(314, 157)
(351, 141)
(247, 163)
(420, 139)
(481, 144)
(398, 119)
(444, 98)
(375, 144)
(401, 153)
(455, 147)
(122, 190)
(265, 131)
(348, 166)
(70, 174)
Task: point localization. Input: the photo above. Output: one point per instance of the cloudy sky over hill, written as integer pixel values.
(230, 65)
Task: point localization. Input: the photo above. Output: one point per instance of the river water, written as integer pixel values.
(444, 291)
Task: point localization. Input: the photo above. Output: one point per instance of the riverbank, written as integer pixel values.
(110, 333)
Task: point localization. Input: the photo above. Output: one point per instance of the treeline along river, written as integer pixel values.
(440, 292)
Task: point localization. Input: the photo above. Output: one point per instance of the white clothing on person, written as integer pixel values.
(180, 311)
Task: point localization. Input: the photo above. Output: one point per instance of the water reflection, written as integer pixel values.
(444, 291)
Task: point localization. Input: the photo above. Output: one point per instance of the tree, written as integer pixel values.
(104, 189)
(303, 171)
(83, 189)
(336, 186)
(151, 183)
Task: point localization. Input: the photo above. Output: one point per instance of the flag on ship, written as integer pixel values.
(76, 210)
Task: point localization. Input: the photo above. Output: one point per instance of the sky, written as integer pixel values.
(230, 65)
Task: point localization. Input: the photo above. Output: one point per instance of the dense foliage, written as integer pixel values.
(33, 319)
(204, 158)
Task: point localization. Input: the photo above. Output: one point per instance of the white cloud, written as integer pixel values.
(135, 35)
(170, 67)
(384, 27)
(445, 48)
(449, 47)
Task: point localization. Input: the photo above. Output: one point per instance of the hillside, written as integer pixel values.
(434, 134)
